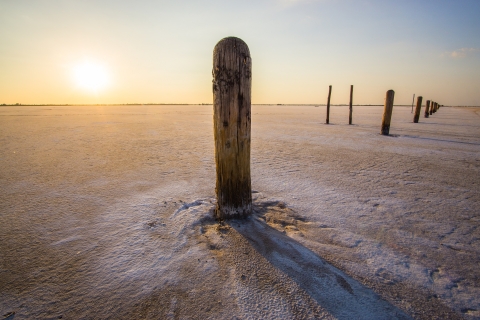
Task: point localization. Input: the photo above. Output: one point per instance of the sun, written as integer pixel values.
(91, 76)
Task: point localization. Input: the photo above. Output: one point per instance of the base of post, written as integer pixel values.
(226, 212)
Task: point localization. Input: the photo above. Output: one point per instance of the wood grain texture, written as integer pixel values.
(387, 112)
(232, 83)
(418, 107)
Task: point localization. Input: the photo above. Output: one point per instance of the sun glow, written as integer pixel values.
(91, 76)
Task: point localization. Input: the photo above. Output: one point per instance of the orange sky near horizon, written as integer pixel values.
(121, 52)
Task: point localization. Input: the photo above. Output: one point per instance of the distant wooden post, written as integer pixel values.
(232, 85)
(350, 108)
(432, 105)
(387, 112)
(413, 100)
(328, 104)
(436, 106)
(427, 108)
(417, 109)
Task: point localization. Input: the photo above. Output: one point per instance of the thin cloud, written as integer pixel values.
(462, 53)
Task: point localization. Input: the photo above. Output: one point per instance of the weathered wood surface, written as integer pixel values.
(427, 109)
(387, 112)
(328, 104)
(350, 105)
(418, 107)
(232, 84)
(432, 105)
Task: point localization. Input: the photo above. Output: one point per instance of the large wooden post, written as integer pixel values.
(350, 106)
(328, 104)
(432, 105)
(387, 112)
(427, 107)
(417, 109)
(232, 84)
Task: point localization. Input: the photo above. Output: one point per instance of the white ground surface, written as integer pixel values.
(105, 212)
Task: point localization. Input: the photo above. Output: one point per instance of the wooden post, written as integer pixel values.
(328, 104)
(413, 100)
(432, 105)
(350, 108)
(387, 112)
(417, 109)
(232, 85)
(427, 107)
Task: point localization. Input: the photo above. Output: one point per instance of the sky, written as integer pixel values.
(114, 51)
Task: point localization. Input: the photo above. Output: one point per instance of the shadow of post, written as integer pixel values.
(342, 296)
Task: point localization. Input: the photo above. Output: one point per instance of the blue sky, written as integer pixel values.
(161, 51)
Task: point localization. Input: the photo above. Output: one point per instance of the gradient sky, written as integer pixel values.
(161, 51)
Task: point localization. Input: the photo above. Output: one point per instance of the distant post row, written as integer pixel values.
(430, 108)
(350, 108)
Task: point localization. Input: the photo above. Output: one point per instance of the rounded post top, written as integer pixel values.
(232, 43)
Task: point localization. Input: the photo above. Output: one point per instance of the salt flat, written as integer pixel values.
(106, 212)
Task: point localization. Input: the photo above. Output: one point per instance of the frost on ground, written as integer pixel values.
(106, 212)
